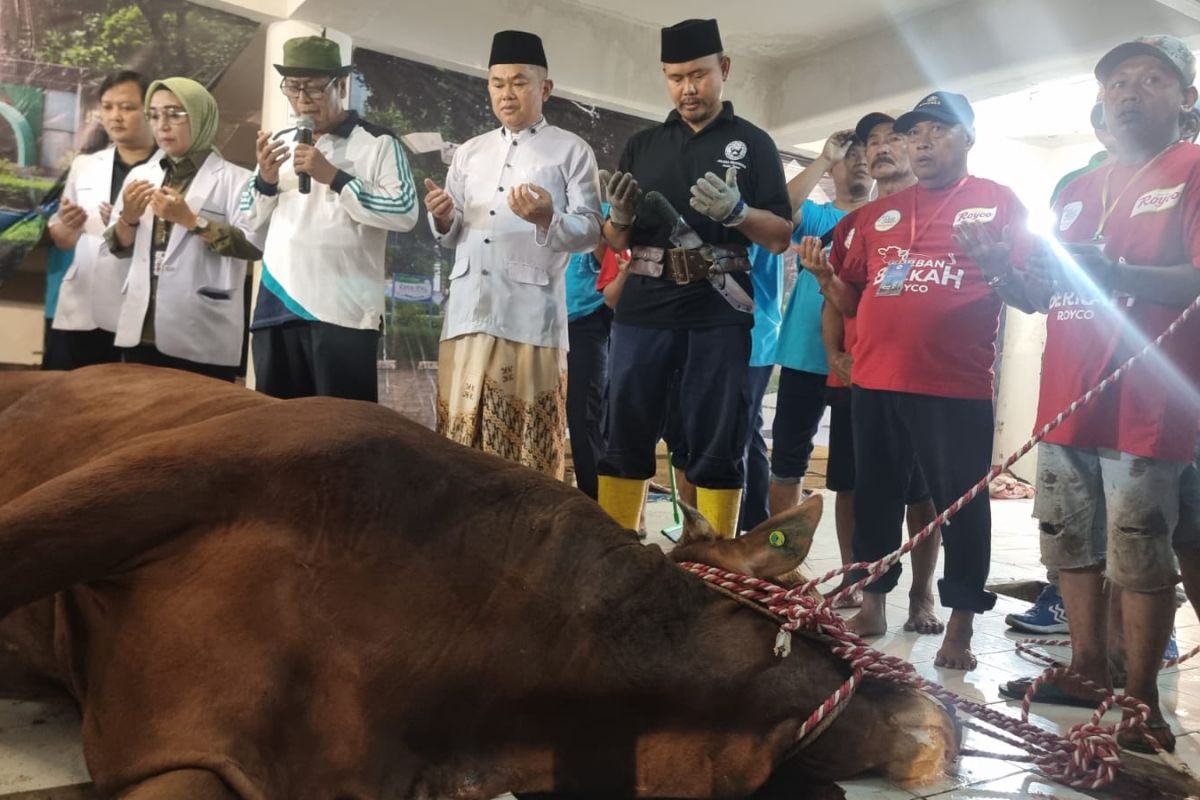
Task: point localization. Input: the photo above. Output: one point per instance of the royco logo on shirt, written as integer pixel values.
(975, 215)
(1157, 200)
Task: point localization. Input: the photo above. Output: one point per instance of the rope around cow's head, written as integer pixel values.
(1086, 757)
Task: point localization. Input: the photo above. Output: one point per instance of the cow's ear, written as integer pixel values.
(771, 550)
(695, 527)
(781, 544)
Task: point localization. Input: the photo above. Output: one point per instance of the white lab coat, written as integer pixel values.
(90, 296)
(199, 310)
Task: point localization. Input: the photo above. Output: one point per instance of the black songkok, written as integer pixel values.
(689, 40)
(517, 47)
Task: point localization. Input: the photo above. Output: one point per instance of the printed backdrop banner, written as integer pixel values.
(53, 56)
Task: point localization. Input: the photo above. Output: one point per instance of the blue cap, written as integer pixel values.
(947, 107)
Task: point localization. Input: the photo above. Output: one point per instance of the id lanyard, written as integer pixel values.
(1110, 208)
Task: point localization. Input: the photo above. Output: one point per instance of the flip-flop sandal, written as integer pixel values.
(1047, 693)
(1133, 740)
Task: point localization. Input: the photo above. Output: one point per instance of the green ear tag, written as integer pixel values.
(777, 539)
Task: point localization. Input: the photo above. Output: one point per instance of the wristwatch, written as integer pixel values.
(201, 225)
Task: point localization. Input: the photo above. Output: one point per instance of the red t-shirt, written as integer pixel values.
(839, 245)
(1155, 221)
(937, 334)
(609, 269)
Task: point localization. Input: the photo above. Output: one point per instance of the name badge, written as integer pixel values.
(894, 275)
(160, 262)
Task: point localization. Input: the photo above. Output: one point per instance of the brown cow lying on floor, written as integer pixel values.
(259, 599)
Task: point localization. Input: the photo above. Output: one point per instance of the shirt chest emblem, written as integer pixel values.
(887, 220)
(1157, 200)
(735, 155)
(975, 215)
(1070, 213)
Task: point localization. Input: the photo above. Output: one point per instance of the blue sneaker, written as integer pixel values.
(1172, 651)
(1047, 615)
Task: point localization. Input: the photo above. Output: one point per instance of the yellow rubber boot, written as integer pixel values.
(720, 507)
(622, 499)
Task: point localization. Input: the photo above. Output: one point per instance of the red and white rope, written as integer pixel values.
(1086, 757)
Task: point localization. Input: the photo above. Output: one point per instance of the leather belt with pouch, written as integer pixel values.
(684, 266)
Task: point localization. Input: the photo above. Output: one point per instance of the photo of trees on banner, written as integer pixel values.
(433, 111)
(53, 56)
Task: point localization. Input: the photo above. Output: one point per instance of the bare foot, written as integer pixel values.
(955, 652)
(852, 600)
(871, 620)
(920, 615)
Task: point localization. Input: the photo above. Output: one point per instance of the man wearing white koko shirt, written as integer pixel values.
(518, 201)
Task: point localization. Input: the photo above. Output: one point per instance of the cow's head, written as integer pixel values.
(772, 551)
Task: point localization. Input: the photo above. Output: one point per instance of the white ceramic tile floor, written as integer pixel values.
(39, 743)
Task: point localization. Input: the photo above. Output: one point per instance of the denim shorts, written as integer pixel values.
(1106, 507)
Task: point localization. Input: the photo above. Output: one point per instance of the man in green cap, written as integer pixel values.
(327, 191)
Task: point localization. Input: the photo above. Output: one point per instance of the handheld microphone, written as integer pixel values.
(304, 135)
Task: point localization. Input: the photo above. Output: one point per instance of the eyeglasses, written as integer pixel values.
(171, 116)
(314, 91)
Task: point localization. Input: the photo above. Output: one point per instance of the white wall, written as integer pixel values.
(1032, 171)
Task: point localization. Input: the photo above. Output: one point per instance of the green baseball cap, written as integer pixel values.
(312, 55)
(1170, 50)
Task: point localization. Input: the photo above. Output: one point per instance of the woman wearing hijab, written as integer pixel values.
(179, 219)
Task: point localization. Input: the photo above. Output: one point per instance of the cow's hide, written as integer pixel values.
(253, 598)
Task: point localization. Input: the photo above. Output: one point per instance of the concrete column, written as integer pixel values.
(1020, 377)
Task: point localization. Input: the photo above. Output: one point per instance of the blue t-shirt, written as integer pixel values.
(766, 276)
(800, 344)
(57, 265)
(583, 297)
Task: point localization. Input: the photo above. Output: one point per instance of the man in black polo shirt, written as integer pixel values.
(686, 307)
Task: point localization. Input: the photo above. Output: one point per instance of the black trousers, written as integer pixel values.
(307, 359)
(951, 441)
(587, 377)
(75, 349)
(149, 355)
(711, 364)
(798, 411)
(756, 463)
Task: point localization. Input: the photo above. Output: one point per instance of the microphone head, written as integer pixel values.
(659, 208)
(306, 124)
